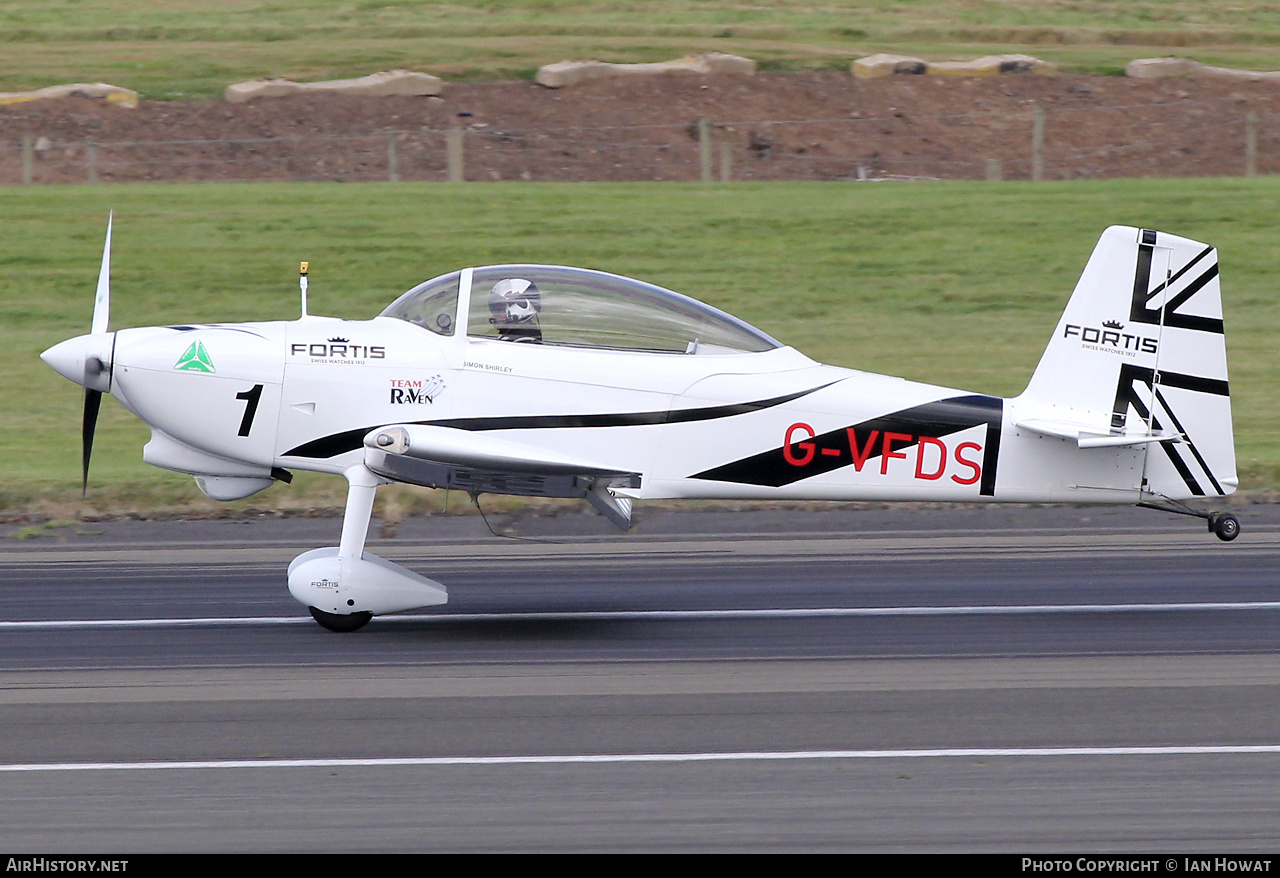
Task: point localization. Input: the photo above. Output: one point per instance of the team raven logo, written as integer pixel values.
(413, 391)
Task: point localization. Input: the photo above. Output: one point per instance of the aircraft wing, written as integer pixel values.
(446, 457)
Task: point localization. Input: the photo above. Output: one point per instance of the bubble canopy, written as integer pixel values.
(577, 307)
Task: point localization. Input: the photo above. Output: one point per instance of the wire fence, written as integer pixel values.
(1171, 139)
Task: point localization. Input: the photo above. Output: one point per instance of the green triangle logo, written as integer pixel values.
(196, 359)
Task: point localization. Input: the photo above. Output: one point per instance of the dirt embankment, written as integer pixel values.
(810, 126)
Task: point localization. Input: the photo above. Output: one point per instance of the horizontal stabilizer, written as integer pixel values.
(1088, 436)
(1108, 441)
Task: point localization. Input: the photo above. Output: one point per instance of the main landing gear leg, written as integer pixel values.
(344, 586)
(362, 486)
(1224, 525)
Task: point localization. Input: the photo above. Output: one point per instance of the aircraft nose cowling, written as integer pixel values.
(84, 360)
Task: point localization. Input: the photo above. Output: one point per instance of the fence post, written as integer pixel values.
(453, 154)
(1251, 145)
(393, 160)
(995, 171)
(27, 160)
(704, 148)
(1037, 144)
(726, 162)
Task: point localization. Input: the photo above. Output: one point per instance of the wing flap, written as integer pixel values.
(445, 457)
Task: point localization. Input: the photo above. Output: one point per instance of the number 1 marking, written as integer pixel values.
(250, 398)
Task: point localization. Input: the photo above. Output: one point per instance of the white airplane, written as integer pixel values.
(550, 381)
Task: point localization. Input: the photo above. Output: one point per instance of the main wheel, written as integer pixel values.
(1226, 526)
(341, 624)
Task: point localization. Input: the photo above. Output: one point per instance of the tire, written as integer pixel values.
(340, 623)
(1226, 526)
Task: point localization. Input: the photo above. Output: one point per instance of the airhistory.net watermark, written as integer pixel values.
(46, 864)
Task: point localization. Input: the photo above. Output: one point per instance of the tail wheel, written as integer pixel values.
(1225, 526)
(341, 624)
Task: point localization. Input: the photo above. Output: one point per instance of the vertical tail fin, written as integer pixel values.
(1139, 358)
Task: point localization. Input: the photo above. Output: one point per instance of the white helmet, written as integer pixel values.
(514, 301)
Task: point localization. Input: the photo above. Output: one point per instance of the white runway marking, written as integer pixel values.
(748, 756)
(664, 615)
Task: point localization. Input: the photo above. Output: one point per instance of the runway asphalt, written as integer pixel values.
(1008, 679)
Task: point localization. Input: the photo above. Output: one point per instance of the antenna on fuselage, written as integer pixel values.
(302, 284)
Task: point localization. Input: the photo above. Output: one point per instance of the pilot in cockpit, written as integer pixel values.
(514, 304)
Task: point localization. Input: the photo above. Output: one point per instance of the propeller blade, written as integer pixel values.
(94, 366)
(102, 301)
(92, 401)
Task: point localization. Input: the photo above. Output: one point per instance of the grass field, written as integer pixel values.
(953, 283)
(183, 48)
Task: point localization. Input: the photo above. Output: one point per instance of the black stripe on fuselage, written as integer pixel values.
(350, 440)
(775, 467)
